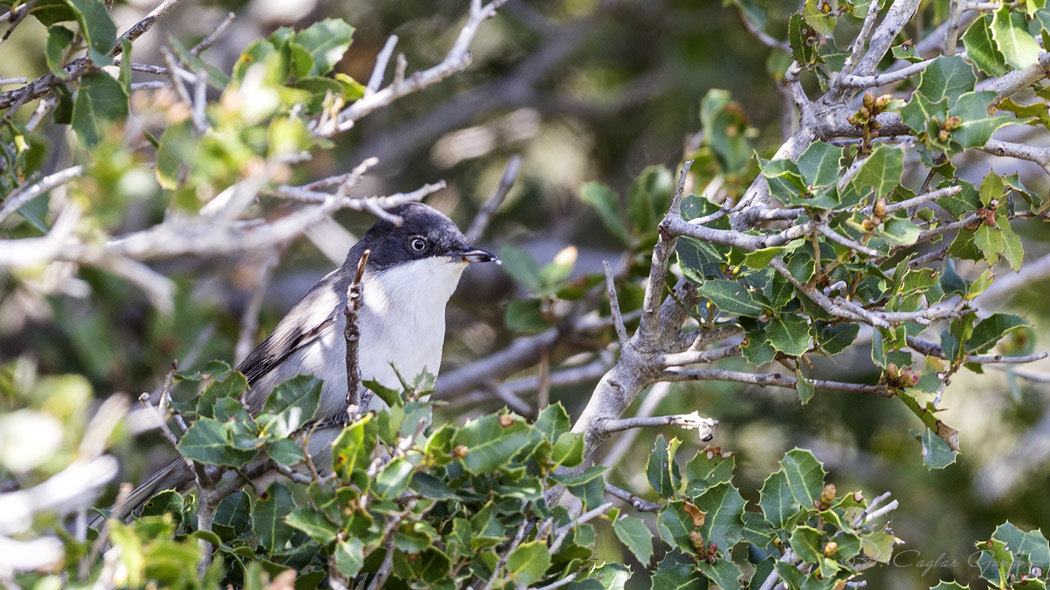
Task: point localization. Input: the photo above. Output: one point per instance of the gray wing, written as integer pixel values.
(308, 319)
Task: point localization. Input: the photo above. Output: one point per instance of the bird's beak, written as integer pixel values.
(469, 254)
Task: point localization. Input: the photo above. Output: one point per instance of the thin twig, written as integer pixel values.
(213, 36)
(352, 333)
(506, 182)
(375, 81)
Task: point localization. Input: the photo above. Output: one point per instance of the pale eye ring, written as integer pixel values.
(418, 244)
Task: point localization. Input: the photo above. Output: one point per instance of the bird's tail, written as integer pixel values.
(173, 476)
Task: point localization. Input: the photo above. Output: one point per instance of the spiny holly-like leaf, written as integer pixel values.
(790, 334)
(677, 571)
(291, 404)
(936, 454)
(976, 126)
(982, 49)
(991, 330)
(527, 562)
(881, 170)
(1011, 36)
(268, 518)
(946, 77)
(722, 572)
(724, 523)
(805, 476)
(776, 500)
(1031, 543)
(633, 533)
(731, 297)
(819, 164)
(210, 441)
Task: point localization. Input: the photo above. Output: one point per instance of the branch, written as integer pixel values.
(930, 349)
(352, 334)
(457, 60)
(769, 380)
(639, 504)
(20, 196)
(484, 216)
(83, 65)
(692, 421)
(382, 60)
(883, 78)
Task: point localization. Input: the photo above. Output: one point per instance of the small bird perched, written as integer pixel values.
(410, 274)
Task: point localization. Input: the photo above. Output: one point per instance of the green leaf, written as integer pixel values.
(820, 165)
(946, 77)
(675, 525)
(290, 405)
(553, 421)
(649, 197)
(790, 334)
(777, 502)
(677, 571)
(100, 100)
(905, 51)
(521, 266)
(989, 331)
(722, 572)
(757, 350)
(834, 338)
(724, 523)
(785, 181)
(725, 130)
(662, 470)
(805, 476)
(230, 386)
(731, 297)
(977, 126)
(168, 501)
(707, 468)
(607, 205)
(58, 39)
(98, 29)
(314, 524)
(394, 478)
(881, 170)
(349, 556)
(804, 387)
(982, 49)
(326, 41)
(496, 448)
(528, 561)
(633, 533)
(210, 441)
(936, 454)
(1031, 543)
(1011, 36)
(353, 449)
(268, 518)
(949, 586)
(822, 15)
(900, 230)
(286, 452)
(233, 514)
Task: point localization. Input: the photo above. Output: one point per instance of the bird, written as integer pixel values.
(411, 272)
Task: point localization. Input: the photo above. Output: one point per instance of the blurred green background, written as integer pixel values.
(582, 90)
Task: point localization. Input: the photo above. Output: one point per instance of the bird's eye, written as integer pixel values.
(419, 244)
